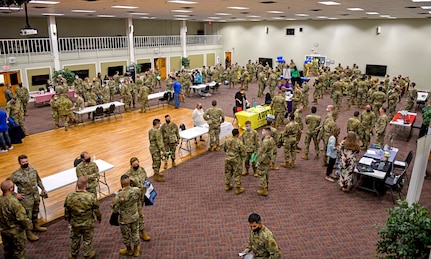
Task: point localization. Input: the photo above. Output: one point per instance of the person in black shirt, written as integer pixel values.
(240, 98)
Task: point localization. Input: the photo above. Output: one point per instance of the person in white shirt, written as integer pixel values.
(198, 118)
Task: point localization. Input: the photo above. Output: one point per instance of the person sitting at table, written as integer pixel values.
(198, 118)
(349, 150)
(240, 99)
(4, 134)
(49, 86)
(79, 102)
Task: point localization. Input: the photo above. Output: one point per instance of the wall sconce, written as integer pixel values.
(266, 30)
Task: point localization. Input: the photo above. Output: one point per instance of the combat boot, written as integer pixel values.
(126, 251)
(305, 157)
(165, 165)
(31, 236)
(298, 148)
(239, 190)
(285, 165)
(71, 256)
(348, 107)
(144, 236)
(228, 187)
(136, 251)
(263, 192)
(316, 156)
(255, 174)
(292, 164)
(38, 228)
(91, 255)
(174, 164)
(244, 173)
(273, 167)
(217, 148)
(159, 178)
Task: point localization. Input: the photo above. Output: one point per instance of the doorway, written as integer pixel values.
(10, 77)
(228, 59)
(160, 64)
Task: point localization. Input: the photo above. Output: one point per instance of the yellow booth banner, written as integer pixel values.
(257, 116)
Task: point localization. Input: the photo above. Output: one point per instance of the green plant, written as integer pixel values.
(66, 73)
(138, 68)
(185, 62)
(406, 233)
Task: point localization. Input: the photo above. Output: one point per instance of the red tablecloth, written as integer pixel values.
(409, 119)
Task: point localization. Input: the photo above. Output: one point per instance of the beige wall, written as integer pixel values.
(10, 27)
(104, 66)
(196, 61)
(211, 60)
(36, 72)
(91, 69)
(175, 63)
(158, 28)
(73, 27)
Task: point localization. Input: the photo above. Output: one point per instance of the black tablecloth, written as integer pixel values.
(16, 134)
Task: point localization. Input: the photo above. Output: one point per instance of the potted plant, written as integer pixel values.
(185, 62)
(65, 73)
(406, 233)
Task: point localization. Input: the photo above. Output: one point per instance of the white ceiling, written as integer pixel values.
(217, 10)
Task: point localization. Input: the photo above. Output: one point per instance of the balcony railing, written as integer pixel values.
(203, 40)
(157, 41)
(91, 43)
(25, 46)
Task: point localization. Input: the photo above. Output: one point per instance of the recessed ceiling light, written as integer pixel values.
(332, 18)
(124, 7)
(146, 17)
(181, 2)
(82, 11)
(181, 15)
(385, 15)
(420, 1)
(213, 17)
(355, 9)
(253, 16)
(11, 8)
(139, 13)
(43, 2)
(371, 13)
(426, 7)
(301, 14)
(276, 12)
(106, 15)
(180, 19)
(53, 14)
(290, 19)
(223, 14)
(329, 3)
(322, 17)
(238, 8)
(181, 11)
(278, 18)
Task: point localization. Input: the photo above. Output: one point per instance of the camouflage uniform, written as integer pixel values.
(290, 141)
(337, 93)
(297, 98)
(412, 96)
(126, 202)
(263, 245)
(127, 96)
(106, 94)
(261, 82)
(156, 147)
(380, 128)
(354, 124)
(80, 208)
(378, 98)
(278, 106)
(235, 151)
(276, 138)
(392, 102)
(250, 139)
(54, 111)
(312, 121)
(92, 172)
(368, 119)
(13, 225)
(78, 86)
(214, 117)
(273, 83)
(116, 79)
(264, 161)
(64, 110)
(171, 137)
(79, 103)
(91, 98)
(137, 179)
(23, 96)
(15, 111)
(298, 119)
(245, 79)
(143, 97)
(361, 94)
(326, 131)
(187, 83)
(305, 94)
(112, 89)
(232, 78)
(27, 180)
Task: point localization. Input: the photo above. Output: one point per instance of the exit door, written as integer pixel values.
(160, 64)
(10, 77)
(228, 59)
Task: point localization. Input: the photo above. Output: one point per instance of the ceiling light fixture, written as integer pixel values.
(106, 16)
(275, 12)
(355, 9)
(420, 1)
(329, 3)
(82, 11)
(253, 16)
(371, 13)
(213, 17)
(53, 14)
(322, 17)
(139, 13)
(181, 11)
(181, 2)
(301, 14)
(11, 8)
(332, 18)
(426, 7)
(223, 14)
(238, 8)
(43, 2)
(124, 7)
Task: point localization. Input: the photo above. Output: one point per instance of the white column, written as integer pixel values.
(130, 30)
(183, 37)
(52, 30)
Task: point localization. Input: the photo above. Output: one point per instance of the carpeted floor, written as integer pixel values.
(195, 218)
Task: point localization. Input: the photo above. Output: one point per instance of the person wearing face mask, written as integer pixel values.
(27, 181)
(368, 120)
(157, 150)
(198, 118)
(23, 96)
(261, 242)
(138, 176)
(250, 139)
(264, 160)
(88, 168)
(240, 99)
(171, 138)
(15, 111)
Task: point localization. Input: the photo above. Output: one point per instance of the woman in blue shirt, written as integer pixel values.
(331, 152)
(4, 134)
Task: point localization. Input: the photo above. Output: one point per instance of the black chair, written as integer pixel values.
(268, 98)
(166, 98)
(110, 111)
(403, 165)
(395, 183)
(98, 113)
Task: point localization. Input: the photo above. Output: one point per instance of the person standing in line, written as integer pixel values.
(349, 150)
(198, 118)
(264, 161)
(289, 138)
(138, 176)
(261, 242)
(23, 95)
(88, 168)
(381, 124)
(331, 152)
(14, 222)
(8, 93)
(278, 106)
(171, 138)
(235, 151)
(14, 110)
(177, 92)
(368, 121)
(250, 139)
(157, 150)
(215, 117)
(126, 203)
(4, 134)
(412, 96)
(27, 181)
(80, 210)
(313, 126)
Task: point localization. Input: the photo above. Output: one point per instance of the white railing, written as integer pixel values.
(203, 40)
(25, 46)
(91, 43)
(157, 41)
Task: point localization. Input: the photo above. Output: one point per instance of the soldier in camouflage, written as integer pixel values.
(14, 223)
(14, 110)
(157, 150)
(171, 138)
(380, 127)
(126, 95)
(361, 92)
(89, 168)
(313, 126)
(297, 97)
(27, 181)
(235, 152)
(23, 95)
(368, 120)
(214, 117)
(261, 82)
(393, 97)
(278, 106)
(354, 124)
(378, 98)
(305, 94)
(412, 96)
(276, 138)
(250, 139)
(126, 203)
(106, 93)
(138, 176)
(290, 141)
(273, 82)
(143, 92)
(337, 93)
(54, 110)
(65, 111)
(264, 161)
(298, 119)
(325, 133)
(81, 209)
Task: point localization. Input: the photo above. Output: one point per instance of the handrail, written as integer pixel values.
(25, 46)
(74, 44)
